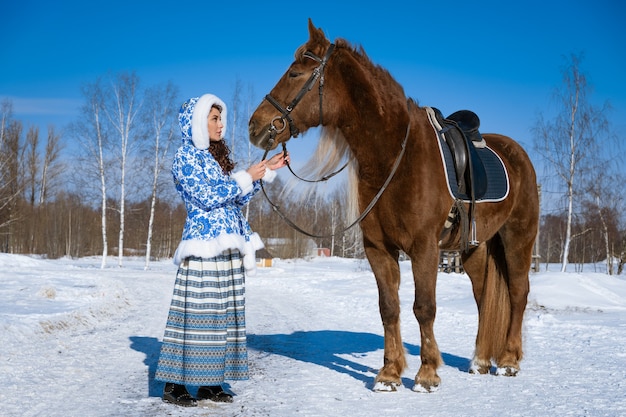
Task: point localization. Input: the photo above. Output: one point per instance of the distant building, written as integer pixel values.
(264, 259)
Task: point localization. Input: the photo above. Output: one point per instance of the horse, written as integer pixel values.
(401, 180)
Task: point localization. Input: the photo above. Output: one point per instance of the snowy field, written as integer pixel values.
(82, 341)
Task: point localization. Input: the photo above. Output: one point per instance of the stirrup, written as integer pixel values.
(473, 241)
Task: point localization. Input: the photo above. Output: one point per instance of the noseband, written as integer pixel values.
(285, 118)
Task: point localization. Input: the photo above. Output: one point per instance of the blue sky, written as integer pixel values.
(501, 59)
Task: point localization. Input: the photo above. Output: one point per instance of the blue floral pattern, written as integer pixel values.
(213, 200)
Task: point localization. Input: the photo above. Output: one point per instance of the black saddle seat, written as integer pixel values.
(469, 123)
(460, 131)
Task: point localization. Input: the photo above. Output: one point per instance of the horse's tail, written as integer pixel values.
(494, 311)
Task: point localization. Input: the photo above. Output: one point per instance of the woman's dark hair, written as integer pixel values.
(221, 152)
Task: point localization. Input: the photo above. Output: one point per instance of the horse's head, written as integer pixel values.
(291, 107)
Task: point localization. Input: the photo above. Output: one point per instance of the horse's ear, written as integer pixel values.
(316, 34)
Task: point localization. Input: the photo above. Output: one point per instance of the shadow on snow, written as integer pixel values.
(151, 347)
(323, 347)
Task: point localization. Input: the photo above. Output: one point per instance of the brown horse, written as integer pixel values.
(399, 170)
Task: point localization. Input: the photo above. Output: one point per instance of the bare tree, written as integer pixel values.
(12, 178)
(235, 115)
(121, 113)
(32, 163)
(239, 111)
(621, 255)
(605, 199)
(40, 170)
(160, 117)
(31, 170)
(570, 140)
(50, 167)
(90, 131)
(9, 189)
(6, 113)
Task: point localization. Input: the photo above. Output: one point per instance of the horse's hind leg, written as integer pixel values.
(500, 285)
(387, 273)
(493, 306)
(518, 255)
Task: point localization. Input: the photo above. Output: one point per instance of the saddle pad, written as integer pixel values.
(497, 176)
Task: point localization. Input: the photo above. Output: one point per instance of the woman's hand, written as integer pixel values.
(257, 171)
(279, 160)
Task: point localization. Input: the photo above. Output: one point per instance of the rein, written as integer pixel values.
(322, 179)
(365, 212)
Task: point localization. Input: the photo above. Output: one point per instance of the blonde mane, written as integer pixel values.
(331, 153)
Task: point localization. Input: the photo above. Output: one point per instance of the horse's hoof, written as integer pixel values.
(385, 386)
(425, 387)
(479, 370)
(479, 367)
(507, 371)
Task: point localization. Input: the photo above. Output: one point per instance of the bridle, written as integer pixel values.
(285, 118)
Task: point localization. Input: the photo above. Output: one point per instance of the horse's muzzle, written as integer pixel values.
(260, 138)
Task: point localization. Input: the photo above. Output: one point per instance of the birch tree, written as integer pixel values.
(122, 113)
(570, 141)
(90, 131)
(160, 122)
(239, 112)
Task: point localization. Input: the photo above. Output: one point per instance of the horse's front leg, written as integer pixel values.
(387, 272)
(425, 308)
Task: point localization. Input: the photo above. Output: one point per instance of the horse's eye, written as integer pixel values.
(294, 74)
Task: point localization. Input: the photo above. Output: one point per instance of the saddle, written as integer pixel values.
(467, 158)
(461, 134)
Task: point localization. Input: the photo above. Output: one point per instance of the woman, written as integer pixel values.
(205, 335)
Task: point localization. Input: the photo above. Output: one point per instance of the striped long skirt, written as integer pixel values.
(205, 335)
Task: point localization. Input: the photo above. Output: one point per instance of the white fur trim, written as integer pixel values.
(211, 248)
(199, 128)
(244, 180)
(270, 174)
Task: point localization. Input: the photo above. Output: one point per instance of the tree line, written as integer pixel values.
(103, 185)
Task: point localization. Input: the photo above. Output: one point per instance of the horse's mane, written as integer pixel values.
(331, 153)
(379, 73)
(333, 150)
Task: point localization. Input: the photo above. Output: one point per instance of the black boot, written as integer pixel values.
(214, 393)
(178, 394)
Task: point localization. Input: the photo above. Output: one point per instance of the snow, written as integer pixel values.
(78, 340)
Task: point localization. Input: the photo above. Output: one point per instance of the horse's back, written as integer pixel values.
(523, 197)
(512, 154)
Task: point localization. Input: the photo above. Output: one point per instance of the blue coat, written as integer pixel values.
(214, 200)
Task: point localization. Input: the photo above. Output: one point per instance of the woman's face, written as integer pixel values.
(215, 124)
